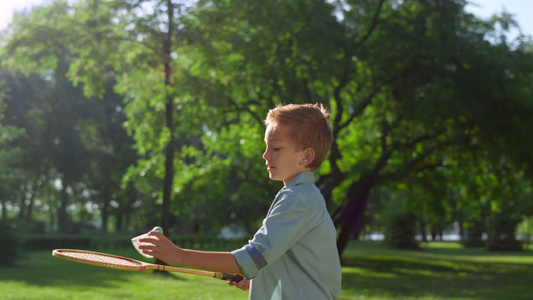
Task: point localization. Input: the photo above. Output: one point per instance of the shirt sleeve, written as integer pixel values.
(284, 225)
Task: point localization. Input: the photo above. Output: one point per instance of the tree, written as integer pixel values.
(9, 156)
(69, 137)
(14, 130)
(149, 38)
(396, 112)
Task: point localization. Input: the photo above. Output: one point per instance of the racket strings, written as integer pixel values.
(102, 259)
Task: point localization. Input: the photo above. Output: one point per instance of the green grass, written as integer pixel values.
(441, 270)
(371, 271)
(42, 276)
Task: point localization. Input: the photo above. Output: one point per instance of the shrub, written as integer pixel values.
(473, 234)
(502, 228)
(37, 242)
(400, 230)
(11, 247)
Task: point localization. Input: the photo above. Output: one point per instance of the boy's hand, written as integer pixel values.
(158, 245)
(244, 284)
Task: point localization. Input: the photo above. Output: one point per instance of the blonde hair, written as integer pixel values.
(308, 128)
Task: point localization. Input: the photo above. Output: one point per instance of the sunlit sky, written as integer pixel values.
(521, 9)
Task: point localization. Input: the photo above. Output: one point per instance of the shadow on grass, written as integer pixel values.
(373, 271)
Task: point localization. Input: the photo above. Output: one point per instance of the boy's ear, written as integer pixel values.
(308, 156)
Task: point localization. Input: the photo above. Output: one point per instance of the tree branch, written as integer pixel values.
(373, 26)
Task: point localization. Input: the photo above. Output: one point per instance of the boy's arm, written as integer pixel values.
(162, 248)
(212, 261)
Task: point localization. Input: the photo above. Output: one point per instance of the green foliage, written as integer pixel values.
(525, 228)
(441, 112)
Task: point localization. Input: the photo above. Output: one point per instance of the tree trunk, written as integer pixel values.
(423, 231)
(62, 213)
(169, 148)
(29, 212)
(460, 221)
(22, 204)
(352, 221)
(355, 203)
(4, 210)
(51, 203)
(119, 216)
(105, 208)
(351, 217)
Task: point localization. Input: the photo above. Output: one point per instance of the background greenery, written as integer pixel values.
(119, 115)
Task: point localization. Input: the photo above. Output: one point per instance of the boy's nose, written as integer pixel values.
(265, 155)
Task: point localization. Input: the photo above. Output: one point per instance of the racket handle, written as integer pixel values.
(231, 277)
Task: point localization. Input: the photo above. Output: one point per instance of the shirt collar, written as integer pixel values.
(304, 177)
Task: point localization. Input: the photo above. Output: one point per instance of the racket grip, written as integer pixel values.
(231, 277)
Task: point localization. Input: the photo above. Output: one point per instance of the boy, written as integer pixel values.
(294, 254)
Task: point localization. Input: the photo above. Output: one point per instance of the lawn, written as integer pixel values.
(441, 270)
(371, 271)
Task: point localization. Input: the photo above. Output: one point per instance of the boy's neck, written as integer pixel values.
(305, 171)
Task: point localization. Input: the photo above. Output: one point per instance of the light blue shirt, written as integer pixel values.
(294, 254)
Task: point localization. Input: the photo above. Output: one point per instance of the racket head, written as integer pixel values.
(101, 259)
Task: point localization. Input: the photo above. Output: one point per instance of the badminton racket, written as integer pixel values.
(125, 263)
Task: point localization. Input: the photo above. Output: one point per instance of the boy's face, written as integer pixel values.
(283, 160)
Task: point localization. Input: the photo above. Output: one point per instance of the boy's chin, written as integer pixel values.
(273, 177)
